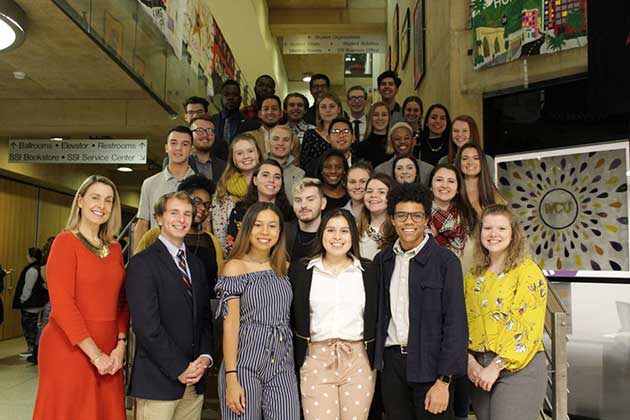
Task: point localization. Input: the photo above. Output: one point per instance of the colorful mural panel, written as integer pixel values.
(505, 30)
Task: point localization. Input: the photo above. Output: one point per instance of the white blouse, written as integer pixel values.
(337, 302)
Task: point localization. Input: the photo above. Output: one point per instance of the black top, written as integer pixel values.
(431, 150)
(373, 149)
(301, 280)
(202, 246)
(335, 203)
(303, 245)
(313, 147)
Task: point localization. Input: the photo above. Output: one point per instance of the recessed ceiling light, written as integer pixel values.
(12, 25)
(306, 77)
(56, 138)
(124, 169)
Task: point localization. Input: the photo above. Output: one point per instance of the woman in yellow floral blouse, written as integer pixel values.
(506, 299)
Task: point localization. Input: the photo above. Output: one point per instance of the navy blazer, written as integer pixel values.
(438, 327)
(172, 328)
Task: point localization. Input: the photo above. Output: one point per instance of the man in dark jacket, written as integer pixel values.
(422, 331)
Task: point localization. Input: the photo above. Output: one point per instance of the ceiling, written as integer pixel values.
(73, 89)
(300, 17)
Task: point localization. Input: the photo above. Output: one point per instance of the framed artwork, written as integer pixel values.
(573, 204)
(388, 58)
(404, 39)
(395, 39)
(418, 43)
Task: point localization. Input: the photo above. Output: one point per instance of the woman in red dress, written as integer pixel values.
(83, 345)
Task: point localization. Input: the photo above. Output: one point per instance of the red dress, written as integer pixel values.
(87, 299)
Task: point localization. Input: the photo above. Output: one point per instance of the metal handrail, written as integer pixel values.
(556, 328)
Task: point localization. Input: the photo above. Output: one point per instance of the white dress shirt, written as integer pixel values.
(337, 302)
(398, 328)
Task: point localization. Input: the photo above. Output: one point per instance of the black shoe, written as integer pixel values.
(33, 357)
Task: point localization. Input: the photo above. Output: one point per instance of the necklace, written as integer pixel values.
(435, 149)
(252, 259)
(100, 251)
(375, 234)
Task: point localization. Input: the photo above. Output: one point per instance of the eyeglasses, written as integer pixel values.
(402, 216)
(338, 132)
(355, 98)
(194, 113)
(199, 202)
(200, 131)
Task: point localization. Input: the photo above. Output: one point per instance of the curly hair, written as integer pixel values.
(196, 182)
(405, 193)
(517, 251)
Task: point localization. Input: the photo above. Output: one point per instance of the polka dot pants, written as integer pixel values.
(336, 381)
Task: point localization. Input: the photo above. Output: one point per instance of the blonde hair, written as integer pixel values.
(335, 99)
(286, 128)
(368, 126)
(517, 250)
(230, 167)
(108, 230)
(278, 258)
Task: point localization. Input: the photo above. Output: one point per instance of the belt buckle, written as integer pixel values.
(403, 349)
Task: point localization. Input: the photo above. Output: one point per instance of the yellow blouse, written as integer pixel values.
(506, 313)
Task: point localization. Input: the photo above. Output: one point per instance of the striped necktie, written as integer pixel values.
(182, 267)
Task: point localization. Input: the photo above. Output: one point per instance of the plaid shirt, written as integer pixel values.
(251, 111)
(451, 233)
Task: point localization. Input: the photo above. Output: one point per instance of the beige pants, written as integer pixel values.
(336, 381)
(186, 408)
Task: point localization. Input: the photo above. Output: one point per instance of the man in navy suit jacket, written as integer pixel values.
(169, 302)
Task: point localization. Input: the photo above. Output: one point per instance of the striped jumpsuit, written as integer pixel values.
(265, 348)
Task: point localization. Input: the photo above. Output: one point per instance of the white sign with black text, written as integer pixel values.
(78, 151)
(333, 44)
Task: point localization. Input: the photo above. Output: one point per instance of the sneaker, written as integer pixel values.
(26, 354)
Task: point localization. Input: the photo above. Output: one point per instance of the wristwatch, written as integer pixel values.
(499, 363)
(445, 378)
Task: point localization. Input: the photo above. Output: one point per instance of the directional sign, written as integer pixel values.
(78, 151)
(333, 44)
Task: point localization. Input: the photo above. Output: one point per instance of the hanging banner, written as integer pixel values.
(78, 151)
(574, 206)
(504, 30)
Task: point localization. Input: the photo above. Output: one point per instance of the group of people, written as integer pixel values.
(372, 270)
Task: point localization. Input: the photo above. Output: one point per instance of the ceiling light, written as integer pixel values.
(56, 138)
(306, 77)
(124, 169)
(12, 25)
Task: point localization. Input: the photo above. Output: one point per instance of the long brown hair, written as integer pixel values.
(278, 258)
(467, 214)
(475, 138)
(487, 191)
(108, 230)
(318, 247)
(365, 218)
(230, 167)
(517, 250)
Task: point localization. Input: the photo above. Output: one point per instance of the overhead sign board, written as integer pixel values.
(78, 151)
(333, 44)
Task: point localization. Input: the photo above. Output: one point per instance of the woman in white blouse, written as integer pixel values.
(334, 322)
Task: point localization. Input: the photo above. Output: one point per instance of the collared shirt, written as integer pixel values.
(398, 329)
(300, 128)
(337, 302)
(155, 187)
(204, 168)
(173, 250)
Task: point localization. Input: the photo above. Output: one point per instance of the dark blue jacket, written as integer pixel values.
(172, 327)
(438, 328)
